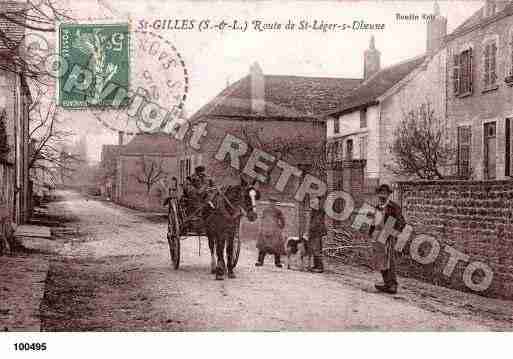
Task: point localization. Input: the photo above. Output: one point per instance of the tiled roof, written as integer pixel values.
(471, 21)
(11, 33)
(369, 91)
(478, 18)
(155, 143)
(285, 96)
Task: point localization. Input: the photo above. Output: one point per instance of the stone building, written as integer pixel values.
(480, 91)
(355, 130)
(269, 112)
(363, 128)
(144, 167)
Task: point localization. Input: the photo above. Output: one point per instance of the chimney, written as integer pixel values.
(501, 5)
(436, 30)
(257, 89)
(371, 60)
(120, 138)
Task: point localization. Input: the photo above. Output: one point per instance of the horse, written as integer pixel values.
(222, 221)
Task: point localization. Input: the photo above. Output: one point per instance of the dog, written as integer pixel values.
(299, 247)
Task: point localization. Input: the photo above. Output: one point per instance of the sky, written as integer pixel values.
(215, 58)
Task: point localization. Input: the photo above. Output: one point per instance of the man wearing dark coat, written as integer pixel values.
(198, 188)
(316, 231)
(384, 253)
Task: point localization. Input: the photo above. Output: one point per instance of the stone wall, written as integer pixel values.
(474, 218)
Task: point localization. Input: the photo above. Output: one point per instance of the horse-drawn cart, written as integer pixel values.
(184, 223)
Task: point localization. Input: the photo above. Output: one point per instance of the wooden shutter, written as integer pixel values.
(493, 63)
(470, 72)
(508, 162)
(456, 74)
(486, 63)
(464, 145)
(510, 70)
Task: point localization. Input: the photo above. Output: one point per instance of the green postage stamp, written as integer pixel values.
(96, 64)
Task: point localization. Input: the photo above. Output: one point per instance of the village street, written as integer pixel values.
(113, 273)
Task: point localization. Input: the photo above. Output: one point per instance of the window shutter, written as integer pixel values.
(470, 72)
(510, 71)
(486, 63)
(464, 147)
(508, 158)
(493, 63)
(456, 74)
(460, 169)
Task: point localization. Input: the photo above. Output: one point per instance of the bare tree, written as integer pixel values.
(25, 55)
(49, 137)
(420, 148)
(297, 150)
(150, 172)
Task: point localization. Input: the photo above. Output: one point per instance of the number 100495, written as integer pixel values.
(30, 346)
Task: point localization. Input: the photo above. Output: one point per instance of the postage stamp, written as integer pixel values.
(103, 50)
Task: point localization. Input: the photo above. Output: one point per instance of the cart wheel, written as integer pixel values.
(173, 237)
(236, 248)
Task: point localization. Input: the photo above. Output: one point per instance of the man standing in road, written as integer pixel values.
(384, 253)
(316, 231)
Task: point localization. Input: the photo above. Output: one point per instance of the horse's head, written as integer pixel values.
(249, 196)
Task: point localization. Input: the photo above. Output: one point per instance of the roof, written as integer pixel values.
(369, 91)
(478, 18)
(154, 143)
(11, 32)
(291, 97)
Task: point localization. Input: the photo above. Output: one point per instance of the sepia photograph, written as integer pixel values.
(248, 167)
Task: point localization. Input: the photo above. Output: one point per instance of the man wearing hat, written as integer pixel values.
(384, 253)
(199, 187)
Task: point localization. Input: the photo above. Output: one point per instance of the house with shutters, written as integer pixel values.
(480, 91)
(358, 131)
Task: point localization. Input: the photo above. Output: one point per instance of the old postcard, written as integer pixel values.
(225, 166)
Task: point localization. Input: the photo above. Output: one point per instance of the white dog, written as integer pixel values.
(300, 248)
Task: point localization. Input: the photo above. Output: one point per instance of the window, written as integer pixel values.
(464, 146)
(462, 73)
(363, 118)
(508, 149)
(349, 149)
(340, 150)
(490, 64)
(363, 147)
(330, 152)
(490, 150)
(336, 125)
(509, 67)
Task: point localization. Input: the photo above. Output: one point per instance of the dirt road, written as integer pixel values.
(113, 273)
